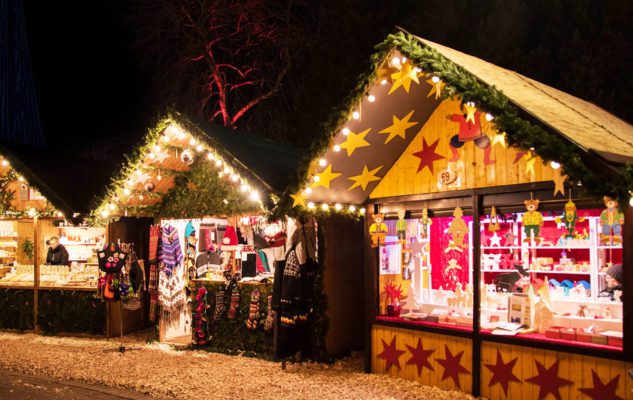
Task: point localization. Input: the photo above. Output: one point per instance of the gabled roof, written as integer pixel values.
(239, 165)
(583, 123)
(67, 181)
(594, 147)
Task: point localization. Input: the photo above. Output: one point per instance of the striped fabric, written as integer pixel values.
(154, 233)
(170, 253)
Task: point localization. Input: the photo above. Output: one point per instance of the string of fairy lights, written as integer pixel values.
(170, 143)
(398, 63)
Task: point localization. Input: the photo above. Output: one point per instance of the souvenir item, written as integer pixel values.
(611, 220)
(274, 235)
(253, 311)
(229, 241)
(200, 335)
(219, 305)
(111, 259)
(424, 224)
(378, 231)
(458, 231)
(569, 219)
(393, 294)
(190, 255)
(494, 220)
(187, 157)
(532, 220)
(235, 303)
(268, 324)
(470, 130)
(401, 227)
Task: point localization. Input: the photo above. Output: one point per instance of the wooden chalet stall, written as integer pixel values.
(488, 245)
(42, 194)
(202, 185)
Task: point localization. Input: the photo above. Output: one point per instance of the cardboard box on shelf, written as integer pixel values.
(597, 338)
(553, 332)
(568, 334)
(583, 336)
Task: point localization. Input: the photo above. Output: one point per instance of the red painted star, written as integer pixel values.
(548, 380)
(502, 372)
(519, 156)
(420, 357)
(428, 155)
(452, 366)
(390, 354)
(600, 391)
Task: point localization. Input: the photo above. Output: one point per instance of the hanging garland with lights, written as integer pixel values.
(451, 80)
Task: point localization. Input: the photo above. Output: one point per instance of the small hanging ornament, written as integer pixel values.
(532, 220)
(494, 220)
(401, 227)
(458, 230)
(149, 187)
(424, 224)
(569, 220)
(611, 220)
(187, 157)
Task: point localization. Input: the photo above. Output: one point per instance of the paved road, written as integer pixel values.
(15, 386)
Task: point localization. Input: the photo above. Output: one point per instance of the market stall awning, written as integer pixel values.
(198, 169)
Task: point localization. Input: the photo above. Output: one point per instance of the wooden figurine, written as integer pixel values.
(494, 220)
(532, 220)
(424, 224)
(378, 231)
(401, 227)
(606, 313)
(458, 230)
(611, 220)
(582, 311)
(569, 219)
(469, 295)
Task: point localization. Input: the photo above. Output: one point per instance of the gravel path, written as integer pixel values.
(159, 371)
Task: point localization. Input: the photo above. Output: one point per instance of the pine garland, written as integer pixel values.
(521, 133)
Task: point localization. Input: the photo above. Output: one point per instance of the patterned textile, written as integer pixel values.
(171, 289)
(154, 233)
(169, 252)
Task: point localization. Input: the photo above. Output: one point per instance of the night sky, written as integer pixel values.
(94, 93)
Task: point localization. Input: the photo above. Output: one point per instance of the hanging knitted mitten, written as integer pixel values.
(235, 303)
(268, 324)
(219, 305)
(200, 320)
(253, 311)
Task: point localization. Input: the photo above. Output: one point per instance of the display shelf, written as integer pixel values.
(559, 272)
(501, 247)
(609, 247)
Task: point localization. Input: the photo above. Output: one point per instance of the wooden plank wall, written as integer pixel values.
(574, 367)
(430, 341)
(403, 178)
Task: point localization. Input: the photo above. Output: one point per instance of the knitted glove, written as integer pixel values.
(253, 311)
(270, 317)
(235, 303)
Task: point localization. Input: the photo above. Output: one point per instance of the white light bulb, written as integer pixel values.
(395, 61)
(226, 170)
(209, 156)
(337, 148)
(112, 206)
(362, 211)
(32, 212)
(308, 190)
(631, 202)
(345, 131)
(417, 70)
(199, 148)
(166, 139)
(235, 178)
(356, 115)
(316, 178)
(152, 156)
(254, 195)
(404, 60)
(489, 117)
(218, 163)
(126, 191)
(159, 177)
(554, 165)
(244, 188)
(325, 207)
(141, 197)
(352, 208)
(311, 205)
(138, 172)
(5, 163)
(156, 148)
(104, 213)
(21, 178)
(435, 79)
(383, 82)
(323, 162)
(60, 214)
(371, 98)
(192, 141)
(338, 207)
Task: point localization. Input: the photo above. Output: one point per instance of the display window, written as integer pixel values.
(552, 275)
(425, 266)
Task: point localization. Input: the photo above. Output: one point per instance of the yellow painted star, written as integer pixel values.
(299, 199)
(364, 178)
(499, 138)
(404, 77)
(385, 74)
(399, 127)
(326, 177)
(436, 87)
(470, 111)
(559, 182)
(354, 141)
(529, 166)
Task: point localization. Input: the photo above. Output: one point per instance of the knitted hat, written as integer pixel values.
(189, 230)
(229, 241)
(615, 272)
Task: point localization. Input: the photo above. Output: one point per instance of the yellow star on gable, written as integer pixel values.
(354, 141)
(403, 78)
(499, 138)
(326, 177)
(385, 74)
(559, 182)
(364, 178)
(399, 127)
(436, 88)
(299, 199)
(529, 166)
(470, 112)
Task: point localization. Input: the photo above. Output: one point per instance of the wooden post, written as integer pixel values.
(36, 272)
(371, 284)
(476, 279)
(627, 264)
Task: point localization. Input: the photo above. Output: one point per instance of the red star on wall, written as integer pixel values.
(452, 366)
(428, 155)
(390, 354)
(502, 372)
(548, 380)
(519, 156)
(601, 391)
(420, 357)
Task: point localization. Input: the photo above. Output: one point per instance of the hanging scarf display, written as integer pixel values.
(132, 277)
(171, 289)
(169, 251)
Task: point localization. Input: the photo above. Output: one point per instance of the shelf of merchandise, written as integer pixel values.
(595, 249)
